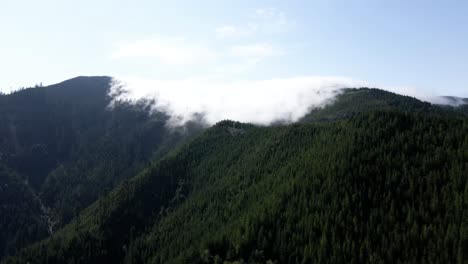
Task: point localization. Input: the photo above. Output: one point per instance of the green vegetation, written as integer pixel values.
(68, 147)
(354, 101)
(381, 187)
(374, 177)
(20, 213)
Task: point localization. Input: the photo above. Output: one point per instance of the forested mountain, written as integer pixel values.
(67, 147)
(374, 177)
(382, 186)
(21, 215)
(354, 101)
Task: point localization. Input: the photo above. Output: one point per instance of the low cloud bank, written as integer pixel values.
(259, 102)
(256, 101)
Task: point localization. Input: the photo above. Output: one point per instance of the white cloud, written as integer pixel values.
(243, 66)
(258, 50)
(425, 95)
(261, 21)
(256, 101)
(271, 14)
(169, 51)
(230, 31)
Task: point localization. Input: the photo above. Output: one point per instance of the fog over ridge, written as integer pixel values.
(254, 101)
(257, 101)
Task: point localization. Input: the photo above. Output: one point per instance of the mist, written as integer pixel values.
(258, 101)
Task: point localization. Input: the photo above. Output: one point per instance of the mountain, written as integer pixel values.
(454, 100)
(67, 145)
(354, 101)
(374, 177)
(21, 213)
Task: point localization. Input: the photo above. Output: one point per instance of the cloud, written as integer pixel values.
(271, 14)
(425, 95)
(255, 101)
(168, 51)
(448, 100)
(229, 31)
(261, 21)
(259, 50)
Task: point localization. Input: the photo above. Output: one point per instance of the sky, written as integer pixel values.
(412, 47)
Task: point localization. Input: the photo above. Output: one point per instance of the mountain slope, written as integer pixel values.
(38, 126)
(20, 213)
(354, 101)
(382, 187)
(70, 147)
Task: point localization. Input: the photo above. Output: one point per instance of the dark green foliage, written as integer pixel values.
(71, 147)
(381, 187)
(366, 186)
(354, 101)
(20, 213)
(40, 126)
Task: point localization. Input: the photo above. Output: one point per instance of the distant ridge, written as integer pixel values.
(360, 100)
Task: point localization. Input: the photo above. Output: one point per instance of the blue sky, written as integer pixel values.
(416, 45)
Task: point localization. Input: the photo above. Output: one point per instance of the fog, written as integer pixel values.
(255, 101)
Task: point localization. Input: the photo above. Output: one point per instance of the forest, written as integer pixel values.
(373, 177)
(63, 146)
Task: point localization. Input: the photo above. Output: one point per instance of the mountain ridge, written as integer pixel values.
(302, 192)
(168, 194)
(68, 144)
